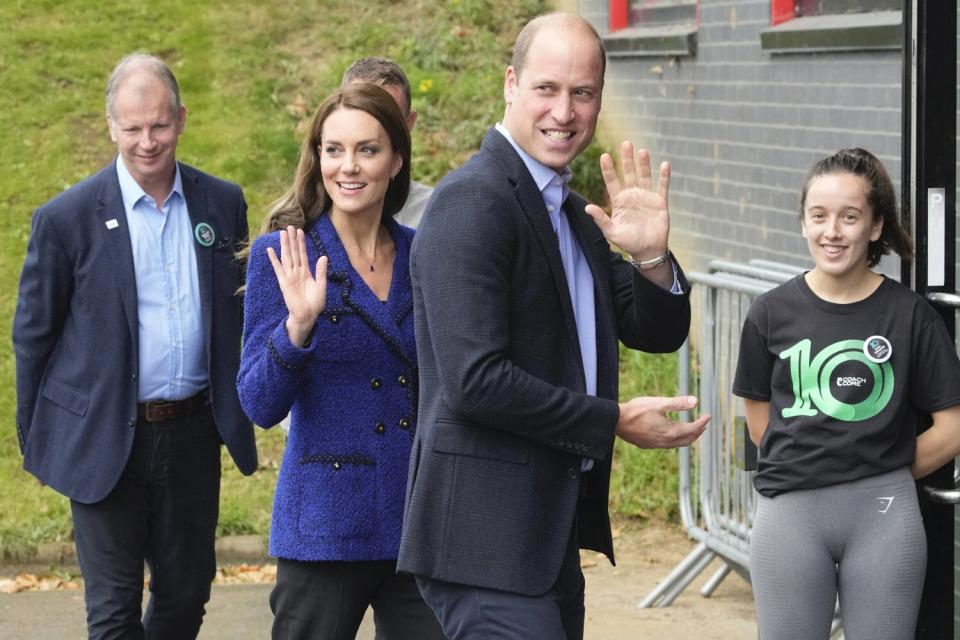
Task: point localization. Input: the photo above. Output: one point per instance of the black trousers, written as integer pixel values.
(327, 601)
(476, 613)
(163, 511)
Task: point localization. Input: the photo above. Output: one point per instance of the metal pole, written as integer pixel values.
(929, 191)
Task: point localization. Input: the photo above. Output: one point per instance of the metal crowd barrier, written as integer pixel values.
(717, 498)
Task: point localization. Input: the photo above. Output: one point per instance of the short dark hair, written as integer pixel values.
(377, 70)
(521, 46)
(881, 196)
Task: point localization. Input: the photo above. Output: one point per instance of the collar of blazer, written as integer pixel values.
(115, 233)
(202, 211)
(592, 243)
(385, 319)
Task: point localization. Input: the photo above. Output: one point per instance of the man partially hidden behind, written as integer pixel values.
(127, 341)
(519, 305)
(389, 75)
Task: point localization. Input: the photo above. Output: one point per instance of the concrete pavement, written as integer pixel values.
(645, 554)
(235, 612)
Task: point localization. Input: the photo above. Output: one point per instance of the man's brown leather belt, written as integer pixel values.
(163, 410)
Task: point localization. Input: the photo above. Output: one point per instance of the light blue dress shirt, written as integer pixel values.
(553, 188)
(172, 355)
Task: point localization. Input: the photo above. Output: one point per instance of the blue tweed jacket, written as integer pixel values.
(352, 395)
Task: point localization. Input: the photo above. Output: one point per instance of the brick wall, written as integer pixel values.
(741, 126)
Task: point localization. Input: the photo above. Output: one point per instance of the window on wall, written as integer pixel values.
(821, 7)
(783, 10)
(658, 13)
(833, 25)
(652, 28)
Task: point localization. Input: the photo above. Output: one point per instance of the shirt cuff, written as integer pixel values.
(676, 289)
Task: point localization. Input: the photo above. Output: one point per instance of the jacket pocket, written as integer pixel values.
(454, 437)
(337, 495)
(73, 400)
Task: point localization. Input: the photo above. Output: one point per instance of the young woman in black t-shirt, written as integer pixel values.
(839, 370)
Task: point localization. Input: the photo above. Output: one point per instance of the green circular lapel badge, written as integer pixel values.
(204, 234)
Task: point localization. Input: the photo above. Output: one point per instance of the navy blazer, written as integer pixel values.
(75, 331)
(504, 419)
(351, 393)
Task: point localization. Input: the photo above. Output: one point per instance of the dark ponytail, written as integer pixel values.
(881, 196)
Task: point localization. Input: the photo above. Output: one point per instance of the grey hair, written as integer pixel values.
(137, 62)
(381, 71)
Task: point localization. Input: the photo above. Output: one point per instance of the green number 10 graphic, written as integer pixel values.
(811, 381)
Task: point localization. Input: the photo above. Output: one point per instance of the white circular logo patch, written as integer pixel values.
(877, 349)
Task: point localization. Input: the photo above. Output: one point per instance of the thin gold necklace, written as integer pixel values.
(376, 241)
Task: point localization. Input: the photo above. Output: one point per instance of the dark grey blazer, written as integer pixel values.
(504, 421)
(75, 331)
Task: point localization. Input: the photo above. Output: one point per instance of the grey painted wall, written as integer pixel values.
(741, 126)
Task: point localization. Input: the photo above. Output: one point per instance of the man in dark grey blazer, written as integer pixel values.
(519, 306)
(127, 341)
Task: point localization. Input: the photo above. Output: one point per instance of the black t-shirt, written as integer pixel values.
(847, 383)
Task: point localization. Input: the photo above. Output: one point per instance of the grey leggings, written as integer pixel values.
(863, 540)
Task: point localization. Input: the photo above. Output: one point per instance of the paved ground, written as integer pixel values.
(645, 555)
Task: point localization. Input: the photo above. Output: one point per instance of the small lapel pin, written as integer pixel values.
(204, 234)
(112, 223)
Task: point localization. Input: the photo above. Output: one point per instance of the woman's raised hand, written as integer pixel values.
(304, 294)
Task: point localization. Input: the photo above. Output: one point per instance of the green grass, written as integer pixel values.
(644, 481)
(243, 66)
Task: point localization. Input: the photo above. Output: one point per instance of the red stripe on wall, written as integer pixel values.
(619, 14)
(780, 11)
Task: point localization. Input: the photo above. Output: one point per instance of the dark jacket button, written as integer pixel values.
(380, 428)
(336, 466)
(334, 318)
(402, 381)
(404, 423)
(572, 473)
(375, 384)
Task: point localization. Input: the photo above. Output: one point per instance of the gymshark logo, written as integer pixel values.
(886, 502)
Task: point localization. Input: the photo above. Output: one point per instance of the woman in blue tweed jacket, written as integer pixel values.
(334, 346)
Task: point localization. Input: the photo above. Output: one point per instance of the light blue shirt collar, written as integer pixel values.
(579, 278)
(171, 354)
(541, 173)
(132, 192)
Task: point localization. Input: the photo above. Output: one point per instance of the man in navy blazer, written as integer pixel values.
(127, 341)
(519, 307)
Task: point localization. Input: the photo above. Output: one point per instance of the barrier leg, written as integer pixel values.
(689, 563)
(836, 628)
(682, 584)
(715, 580)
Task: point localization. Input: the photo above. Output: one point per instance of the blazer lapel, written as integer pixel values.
(384, 319)
(198, 209)
(533, 207)
(400, 300)
(112, 222)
